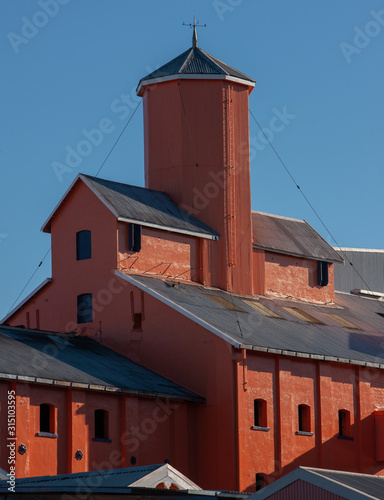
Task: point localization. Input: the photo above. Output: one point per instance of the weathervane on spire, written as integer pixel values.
(194, 26)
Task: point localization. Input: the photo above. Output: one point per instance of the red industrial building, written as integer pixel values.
(235, 308)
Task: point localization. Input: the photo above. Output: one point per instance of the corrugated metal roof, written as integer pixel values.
(142, 205)
(118, 478)
(286, 334)
(54, 358)
(195, 61)
(290, 236)
(369, 264)
(326, 484)
(364, 483)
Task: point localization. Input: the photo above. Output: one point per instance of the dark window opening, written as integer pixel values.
(260, 413)
(260, 481)
(83, 245)
(101, 424)
(304, 418)
(344, 423)
(322, 273)
(137, 322)
(84, 308)
(46, 418)
(134, 236)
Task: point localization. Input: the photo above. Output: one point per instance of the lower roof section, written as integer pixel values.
(346, 485)
(349, 331)
(68, 360)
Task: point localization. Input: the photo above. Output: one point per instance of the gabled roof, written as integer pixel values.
(143, 206)
(348, 485)
(290, 236)
(34, 292)
(348, 331)
(194, 62)
(146, 476)
(76, 361)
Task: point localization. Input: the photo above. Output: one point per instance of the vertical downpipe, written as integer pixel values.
(277, 432)
(69, 430)
(123, 431)
(318, 418)
(358, 417)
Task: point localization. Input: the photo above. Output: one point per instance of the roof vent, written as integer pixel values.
(368, 293)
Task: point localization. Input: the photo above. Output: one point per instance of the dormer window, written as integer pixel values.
(83, 245)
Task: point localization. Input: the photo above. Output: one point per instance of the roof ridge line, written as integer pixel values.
(188, 58)
(213, 60)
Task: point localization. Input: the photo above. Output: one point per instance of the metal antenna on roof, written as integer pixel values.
(194, 26)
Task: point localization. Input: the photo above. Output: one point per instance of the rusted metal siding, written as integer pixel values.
(300, 490)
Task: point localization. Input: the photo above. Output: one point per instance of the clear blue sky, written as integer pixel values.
(320, 63)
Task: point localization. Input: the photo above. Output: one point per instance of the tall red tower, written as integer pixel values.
(196, 143)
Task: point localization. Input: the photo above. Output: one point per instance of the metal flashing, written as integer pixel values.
(171, 229)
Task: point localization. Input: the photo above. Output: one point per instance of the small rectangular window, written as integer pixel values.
(84, 308)
(344, 423)
(83, 245)
(101, 424)
(134, 236)
(260, 481)
(304, 418)
(137, 322)
(322, 273)
(47, 416)
(260, 413)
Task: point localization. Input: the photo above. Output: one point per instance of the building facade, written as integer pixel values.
(233, 305)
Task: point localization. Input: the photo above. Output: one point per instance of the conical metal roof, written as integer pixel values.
(194, 61)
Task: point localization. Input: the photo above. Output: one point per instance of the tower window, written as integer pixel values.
(47, 418)
(322, 273)
(83, 245)
(134, 237)
(260, 413)
(304, 418)
(84, 308)
(344, 423)
(101, 424)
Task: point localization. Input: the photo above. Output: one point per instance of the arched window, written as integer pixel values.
(344, 423)
(47, 418)
(101, 424)
(84, 308)
(83, 245)
(260, 413)
(304, 418)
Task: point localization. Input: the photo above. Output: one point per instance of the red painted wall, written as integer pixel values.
(296, 277)
(326, 388)
(151, 431)
(162, 254)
